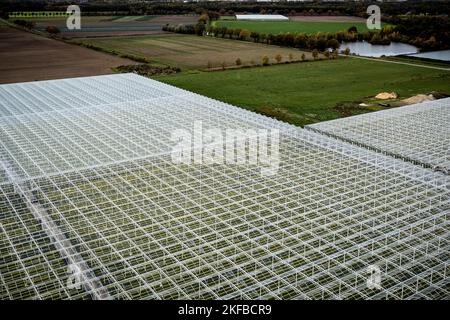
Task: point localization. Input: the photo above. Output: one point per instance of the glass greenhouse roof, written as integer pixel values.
(419, 133)
(88, 187)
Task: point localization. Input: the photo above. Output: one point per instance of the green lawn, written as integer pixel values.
(275, 27)
(304, 93)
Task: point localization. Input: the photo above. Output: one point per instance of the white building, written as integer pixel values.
(262, 17)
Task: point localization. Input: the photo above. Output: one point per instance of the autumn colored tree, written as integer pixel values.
(315, 54)
(236, 33)
(204, 18)
(255, 36)
(333, 44)
(244, 34)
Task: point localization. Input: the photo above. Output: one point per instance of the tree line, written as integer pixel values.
(320, 40)
(436, 7)
(425, 32)
(424, 24)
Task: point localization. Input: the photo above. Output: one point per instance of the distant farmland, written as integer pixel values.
(27, 57)
(275, 27)
(101, 26)
(193, 52)
(32, 14)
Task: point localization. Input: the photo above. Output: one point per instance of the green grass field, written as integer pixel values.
(275, 27)
(304, 93)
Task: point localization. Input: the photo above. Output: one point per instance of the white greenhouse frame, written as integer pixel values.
(87, 184)
(418, 133)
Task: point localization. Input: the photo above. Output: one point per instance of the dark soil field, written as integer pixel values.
(99, 26)
(27, 57)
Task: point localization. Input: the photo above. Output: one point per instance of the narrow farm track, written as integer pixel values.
(399, 62)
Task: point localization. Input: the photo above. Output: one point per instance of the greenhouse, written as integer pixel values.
(262, 17)
(418, 133)
(89, 192)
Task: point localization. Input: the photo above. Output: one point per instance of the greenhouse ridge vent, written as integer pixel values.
(88, 190)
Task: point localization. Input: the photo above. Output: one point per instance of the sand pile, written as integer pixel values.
(386, 95)
(418, 99)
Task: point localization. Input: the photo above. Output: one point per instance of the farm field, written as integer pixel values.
(193, 52)
(37, 14)
(28, 57)
(275, 27)
(101, 26)
(304, 93)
